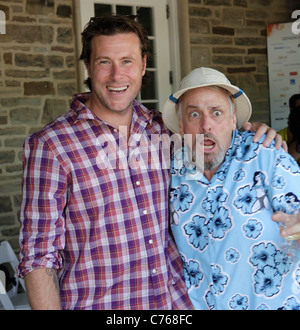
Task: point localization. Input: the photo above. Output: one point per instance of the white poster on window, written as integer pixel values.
(284, 70)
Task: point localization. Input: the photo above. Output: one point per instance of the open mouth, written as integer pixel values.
(117, 90)
(208, 144)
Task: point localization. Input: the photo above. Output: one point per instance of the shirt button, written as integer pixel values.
(138, 183)
(154, 271)
(151, 241)
(145, 212)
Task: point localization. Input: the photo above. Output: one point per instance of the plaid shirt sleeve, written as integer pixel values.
(44, 196)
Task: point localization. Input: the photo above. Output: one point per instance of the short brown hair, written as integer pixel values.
(109, 25)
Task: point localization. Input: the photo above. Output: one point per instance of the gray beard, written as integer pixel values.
(202, 165)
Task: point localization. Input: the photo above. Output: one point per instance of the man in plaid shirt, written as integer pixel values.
(94, 222)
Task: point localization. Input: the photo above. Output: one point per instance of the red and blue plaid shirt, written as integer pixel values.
(104, 229)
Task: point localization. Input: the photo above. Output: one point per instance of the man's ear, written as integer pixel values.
(234, 120)
(144, 65)
(87, 66)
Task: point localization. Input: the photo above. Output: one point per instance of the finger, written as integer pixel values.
(260, 130)
(285, 146)
(278, 216)
(287, 220)
(271, 134)
(292, 231)
(278, 141)
(247, 126)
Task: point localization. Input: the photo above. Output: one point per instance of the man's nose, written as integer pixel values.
(206, 124)
(116, 71)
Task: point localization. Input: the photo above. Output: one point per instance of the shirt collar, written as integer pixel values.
(81, 112)
(142, 112)
(235, 142)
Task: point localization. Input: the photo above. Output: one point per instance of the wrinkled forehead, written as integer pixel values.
(194, 97)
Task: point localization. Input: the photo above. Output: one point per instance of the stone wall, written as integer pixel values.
(37, 80)
(230, 36)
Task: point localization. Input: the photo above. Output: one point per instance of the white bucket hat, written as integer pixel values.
(204, 77)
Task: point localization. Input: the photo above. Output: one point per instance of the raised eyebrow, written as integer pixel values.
(197, 108)
(217, 107)
(193, 107)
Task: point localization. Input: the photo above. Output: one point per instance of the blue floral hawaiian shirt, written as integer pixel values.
(228, 243)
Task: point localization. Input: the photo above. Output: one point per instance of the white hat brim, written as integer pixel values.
(242, 105)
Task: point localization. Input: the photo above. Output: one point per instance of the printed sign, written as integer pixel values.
(284, 70)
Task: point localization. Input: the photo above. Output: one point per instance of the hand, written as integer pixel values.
(261, 129)
(291, 221)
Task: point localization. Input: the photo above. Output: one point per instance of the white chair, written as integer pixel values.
(2, 281)
(11, 300)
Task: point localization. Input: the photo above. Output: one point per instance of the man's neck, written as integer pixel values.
(210, 174)
(115, 119)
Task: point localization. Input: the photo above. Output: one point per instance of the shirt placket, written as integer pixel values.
(212, 252)
(151, 228)
(151, 234)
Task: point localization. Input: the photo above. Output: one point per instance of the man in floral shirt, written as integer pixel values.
(224, 191)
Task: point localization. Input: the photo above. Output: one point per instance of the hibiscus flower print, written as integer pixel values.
(219, 223)
(282, 262)
(219, 280)
(263, 307)
(245, 200)
(222, 172)
(298, 276)
(288, 163)
(215, 198)
(291, 304)
(263, 255)
(232, 255)
(210, 299)
(267, 281)
(278, 182)
(193, 274)
(181, 198)
(239, 303)
(197, 232)
(239, 175)
(247, 149)
(253, 228)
